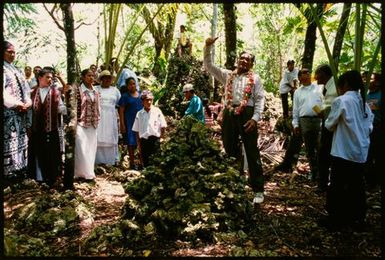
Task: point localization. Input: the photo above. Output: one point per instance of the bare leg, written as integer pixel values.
(131, 154)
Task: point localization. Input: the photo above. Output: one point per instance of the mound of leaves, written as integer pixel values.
(183, 70)
(44, 219)
(191, 193)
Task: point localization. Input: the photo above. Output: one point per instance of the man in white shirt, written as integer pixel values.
(149, 125)
(288, 85)
(324, 76)
(306, 124)
(244, 103)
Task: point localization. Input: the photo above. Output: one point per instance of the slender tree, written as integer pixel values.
(162, 30)
(311, 33)
(341, 33)
(230, 21)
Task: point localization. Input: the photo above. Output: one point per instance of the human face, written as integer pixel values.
(147, 103)
(131, 86)
(27, 72)
(305, 77)
(320, 77)
(10, 54)
(188, 95)
(106, 81)
(244, 63)
(290, 66)
(88, 79)
(36, 70)
(45, 80)
(93, 68)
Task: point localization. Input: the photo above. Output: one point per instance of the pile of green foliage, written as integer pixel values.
(183, 70)
(191, 193)
(44, 220)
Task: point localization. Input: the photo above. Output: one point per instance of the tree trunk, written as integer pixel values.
(69, 30)
(72, 77)
(341, 33)
(163, 37)
(310, 37)
(231, 34)
(214, 25)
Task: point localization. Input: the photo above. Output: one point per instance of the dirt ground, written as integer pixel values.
(285, 223)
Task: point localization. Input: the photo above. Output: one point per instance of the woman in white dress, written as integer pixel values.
(88, 116)
(108, 133)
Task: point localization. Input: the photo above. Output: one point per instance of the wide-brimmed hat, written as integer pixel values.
(104, 73)
(146, 94)
(188, 87)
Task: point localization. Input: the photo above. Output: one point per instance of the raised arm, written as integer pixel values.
(218, 73)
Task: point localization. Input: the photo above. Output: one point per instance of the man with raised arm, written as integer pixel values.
(244, 102)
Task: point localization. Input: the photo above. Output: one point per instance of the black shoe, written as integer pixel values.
(90, 181)
(330, 224)
(320, 190)
(359, 226)
(283, 168)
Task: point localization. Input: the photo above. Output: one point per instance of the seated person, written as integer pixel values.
(184, 44)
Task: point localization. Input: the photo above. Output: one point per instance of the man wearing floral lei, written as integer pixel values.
(244, 102)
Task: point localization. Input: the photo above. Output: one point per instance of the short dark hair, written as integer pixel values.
(85, 71)
(303, 70)
(7, 45)
(290, 62)
(52, 69)
(325, 69)
(44, 71)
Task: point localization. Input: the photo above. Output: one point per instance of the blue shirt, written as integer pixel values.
(374, 100)
(195, 108)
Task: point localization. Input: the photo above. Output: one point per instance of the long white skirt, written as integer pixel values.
(107, 154)
(85, 152)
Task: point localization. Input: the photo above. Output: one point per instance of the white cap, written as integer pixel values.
(188, 87)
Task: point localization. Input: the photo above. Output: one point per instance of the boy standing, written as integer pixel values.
(149, 125)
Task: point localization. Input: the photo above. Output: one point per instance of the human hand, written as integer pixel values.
(250, 126)
(22, 107)
(297, 130)
(122, 129)
(210, 41)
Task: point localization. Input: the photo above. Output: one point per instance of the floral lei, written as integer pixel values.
(246, 93)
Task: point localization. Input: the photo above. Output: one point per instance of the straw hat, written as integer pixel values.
(105, 73)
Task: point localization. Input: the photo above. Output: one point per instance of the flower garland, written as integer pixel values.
(246, 93)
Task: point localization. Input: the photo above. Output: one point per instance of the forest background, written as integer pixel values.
(71, 37)
(143, 36)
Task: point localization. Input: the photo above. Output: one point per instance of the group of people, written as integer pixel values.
(33, 118)
(339, 126)
(336, 114)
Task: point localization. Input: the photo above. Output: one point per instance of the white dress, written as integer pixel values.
(108, 132)
(85, 149)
